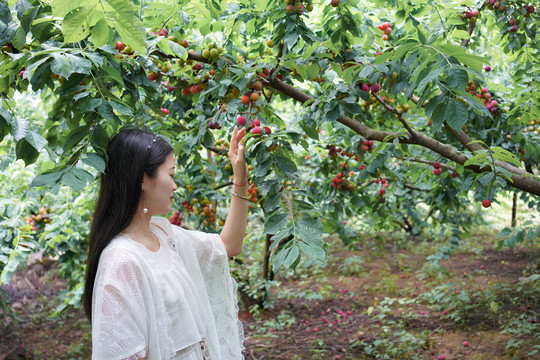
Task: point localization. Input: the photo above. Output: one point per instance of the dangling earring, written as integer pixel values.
(145, 209)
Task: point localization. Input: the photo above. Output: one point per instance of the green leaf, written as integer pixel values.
(100, 33)
(28, 17)
(70, 179)
(19, 39)
(95, 161)
(457, 51)
(75, 25)
(36, 140)
(275, 223)
(5, 13)
(128, 25)
(486, 178)
(26, 151)
(47, 179)
(456, 114)
(202, 9)
(437, 117)
(310, 131)
(459, 34)
(22, 7)
(61, 7)
(505, 155)
(292, 257)
(285, 164)
(121, 108)
(65, 64)
(479, 158)
(20, 128)
(458, 79)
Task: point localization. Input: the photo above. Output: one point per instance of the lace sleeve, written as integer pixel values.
(118, 311)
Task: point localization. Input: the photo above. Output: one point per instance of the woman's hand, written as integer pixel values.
(236, 155)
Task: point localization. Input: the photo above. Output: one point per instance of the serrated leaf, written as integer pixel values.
(121, 108)
(22, 7)
(456, 114)
(36, 140)
(437, 117)
(130, 28)
(477, 159)
(292, 257)
(20, 128)
(486, 178)
(275, 223)
(95, 161)
(75, 25)
(19, 39)
(100, 33)
(5, 13)
(458, 79)
(66, 64)
(460, 34)
(459, 53)
(505, 155)
(61, 7)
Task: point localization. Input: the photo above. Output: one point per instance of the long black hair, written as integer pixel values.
(131, 153)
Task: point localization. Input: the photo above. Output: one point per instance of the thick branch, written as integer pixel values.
(520, 179)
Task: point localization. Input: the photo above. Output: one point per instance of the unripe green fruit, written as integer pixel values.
(214, 53)
(205, 53)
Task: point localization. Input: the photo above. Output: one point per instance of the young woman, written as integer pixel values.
(153, 290)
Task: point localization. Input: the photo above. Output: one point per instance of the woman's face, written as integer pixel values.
(158, 191)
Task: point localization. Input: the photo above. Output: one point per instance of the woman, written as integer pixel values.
(153, 290)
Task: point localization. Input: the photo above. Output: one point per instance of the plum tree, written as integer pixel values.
(398, 97)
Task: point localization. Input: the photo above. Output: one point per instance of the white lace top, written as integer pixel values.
(153, 304)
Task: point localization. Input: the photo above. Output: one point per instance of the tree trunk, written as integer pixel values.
(514, 210)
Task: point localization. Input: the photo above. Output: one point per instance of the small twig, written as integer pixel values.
(397, 112)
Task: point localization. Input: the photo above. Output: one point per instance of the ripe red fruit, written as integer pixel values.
(120, 46)
(165, 111)
(197, 67)
(241, 120)
(267, 130)
(487, 68)
(475, 13)
(21, 74)
(436, 165)
(437, 171)
(514, 28)
(512, 22)
(441, 357)
(375, 88)
(245, 100)
(334, 3)
(163, 32)
(152, 76)
(257, 86)
(257, 122)
(184, 43)
(486, 203)
(256, 130)
(465, 343)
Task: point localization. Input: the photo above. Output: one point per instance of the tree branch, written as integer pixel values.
(520, 179)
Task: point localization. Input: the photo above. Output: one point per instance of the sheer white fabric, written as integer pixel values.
(129, 316)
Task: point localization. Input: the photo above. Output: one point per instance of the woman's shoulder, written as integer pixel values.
(120, 247)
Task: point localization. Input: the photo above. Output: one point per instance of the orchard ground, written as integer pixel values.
(377, 300)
